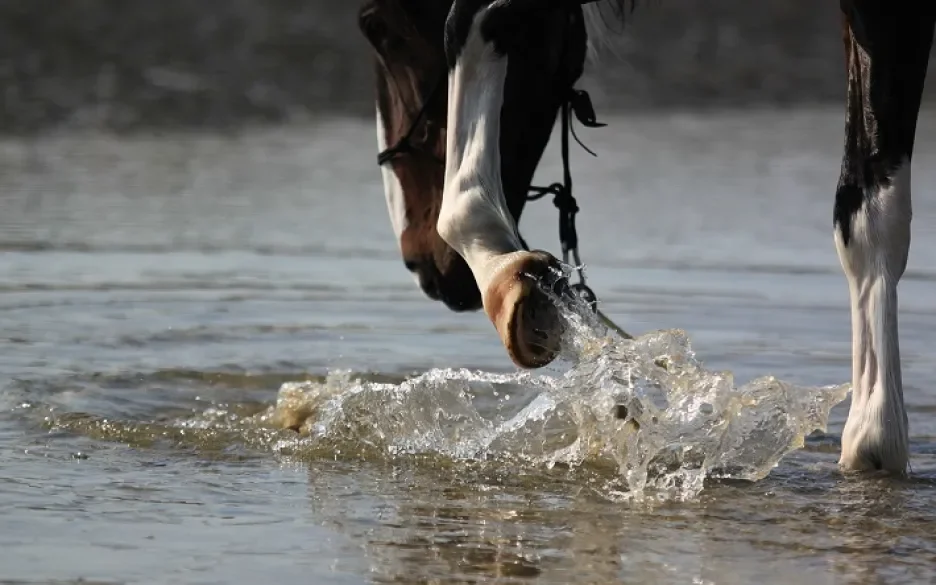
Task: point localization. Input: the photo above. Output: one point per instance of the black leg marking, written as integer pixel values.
(887, 47)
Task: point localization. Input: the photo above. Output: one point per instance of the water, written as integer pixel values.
(170, 303)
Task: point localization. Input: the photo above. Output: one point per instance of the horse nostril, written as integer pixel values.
(411, 265)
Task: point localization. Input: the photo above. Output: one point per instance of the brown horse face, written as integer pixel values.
(407, 36)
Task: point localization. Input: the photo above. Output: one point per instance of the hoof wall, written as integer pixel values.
(527, 320)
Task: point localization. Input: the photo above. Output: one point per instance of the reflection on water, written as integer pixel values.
(172, 306)
(552, 527)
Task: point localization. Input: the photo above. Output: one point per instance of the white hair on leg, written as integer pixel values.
(474, 219)
(874, 259)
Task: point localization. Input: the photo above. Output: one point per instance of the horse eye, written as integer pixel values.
(373, 27)
(384, 39)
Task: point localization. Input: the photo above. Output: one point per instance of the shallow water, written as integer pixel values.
(166, 301)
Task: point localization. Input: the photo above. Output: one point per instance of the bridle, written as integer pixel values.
(405, 144)
(576, 102)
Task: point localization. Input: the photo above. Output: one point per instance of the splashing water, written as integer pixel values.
(645, 406)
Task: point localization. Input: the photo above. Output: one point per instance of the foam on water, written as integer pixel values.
(681, 423)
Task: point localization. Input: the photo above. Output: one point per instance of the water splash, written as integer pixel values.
(636, 419)
(647, 407)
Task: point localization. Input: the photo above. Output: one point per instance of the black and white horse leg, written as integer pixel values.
(887, 46)
(474, 219)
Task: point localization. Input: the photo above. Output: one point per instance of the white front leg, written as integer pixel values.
(474, 219)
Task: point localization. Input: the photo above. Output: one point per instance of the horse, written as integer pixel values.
(510, 66)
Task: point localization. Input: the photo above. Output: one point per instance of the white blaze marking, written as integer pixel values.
(393, 189)
(474, 219)
(874, 261)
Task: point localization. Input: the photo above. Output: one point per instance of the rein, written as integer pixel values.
(580, 104)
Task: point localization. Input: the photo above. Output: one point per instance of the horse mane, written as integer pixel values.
(600, 20)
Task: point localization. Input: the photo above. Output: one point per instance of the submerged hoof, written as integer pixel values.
(864, 457)
(526, 319)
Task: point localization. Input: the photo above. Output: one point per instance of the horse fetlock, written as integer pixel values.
(451, 223)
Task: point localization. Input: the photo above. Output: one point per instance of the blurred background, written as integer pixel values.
(191, 216)
(124, 64)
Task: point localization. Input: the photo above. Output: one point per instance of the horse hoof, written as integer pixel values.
(526, 319)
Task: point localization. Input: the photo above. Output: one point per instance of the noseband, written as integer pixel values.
(576, 102)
